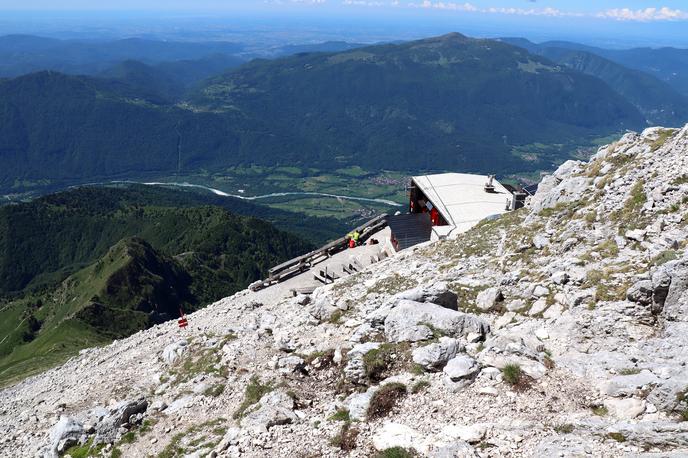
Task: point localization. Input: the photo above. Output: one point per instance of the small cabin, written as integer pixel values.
(448, 204)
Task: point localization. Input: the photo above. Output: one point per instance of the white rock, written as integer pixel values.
(173, 352)
(488, 299)
(541, 333)
(625, 408)
(540, 291)
(461, 367)
(471, 434)
(434, 356)
(398, 435)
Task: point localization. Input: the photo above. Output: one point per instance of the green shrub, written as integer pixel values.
(385, 398)
(512, 373)
(345, 438)
(617, 437)
(252, 394)
(396, 452)
(419, 386)
(340, 415)
(600, 411)
(566, 428)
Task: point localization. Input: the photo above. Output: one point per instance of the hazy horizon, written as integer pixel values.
(614, 24)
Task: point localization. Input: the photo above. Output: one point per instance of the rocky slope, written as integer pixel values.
(558, 330)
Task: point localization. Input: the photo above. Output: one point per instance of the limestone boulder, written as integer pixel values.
(460, 368)
(119, 414)
(489, 299)
(174, 351)
(433, 357)
(438, 294)
(414, 321)
(274, 408)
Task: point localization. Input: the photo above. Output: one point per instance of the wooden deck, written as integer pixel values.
(305, 262)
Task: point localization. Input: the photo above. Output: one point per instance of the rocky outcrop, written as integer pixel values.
(556, 330)
(434, 357)
(273, 409)
(415, 321)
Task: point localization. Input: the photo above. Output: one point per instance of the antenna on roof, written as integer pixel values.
(489, 186)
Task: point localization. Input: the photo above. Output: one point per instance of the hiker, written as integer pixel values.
(355, 237)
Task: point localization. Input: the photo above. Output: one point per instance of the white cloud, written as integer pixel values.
(644, 15)
(618, 14)
(469, 7)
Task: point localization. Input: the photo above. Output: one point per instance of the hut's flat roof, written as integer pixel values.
(461, 197)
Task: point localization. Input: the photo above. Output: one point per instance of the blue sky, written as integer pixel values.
(610, 23)
(618, 10)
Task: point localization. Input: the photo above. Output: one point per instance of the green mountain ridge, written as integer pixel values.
(463, 103)
(659, 102)
(132, 287)
(83, 267)
(446, 103)
(43, 240)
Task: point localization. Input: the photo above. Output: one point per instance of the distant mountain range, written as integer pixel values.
(449, 102)
(666, 64)
(22, 54)
(658, 92)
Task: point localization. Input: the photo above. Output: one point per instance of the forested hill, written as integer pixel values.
(444, 103)
(659, 101)
(449, 102)
(43, 240)
(79, 268)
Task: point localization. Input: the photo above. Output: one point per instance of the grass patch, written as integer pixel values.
(617, 437)
(392, 285)
(600, 411)
(629, 215)
(252, 394)
(324, 359)
(86, 450)
(512, 373)
(340, 415)
(565, 428)
(683, 179)
(203, 361)
(385, 398)
(379, 362)
(664, 135)
(630, 371)
(215, 390)
(664, 257)
(128, 438)
(345, 438)
(175, 448)
(683, 415)
(420, 386)
(336, 317)
(608, 249)
(397, 452)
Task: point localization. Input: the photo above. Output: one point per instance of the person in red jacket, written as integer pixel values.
(434, 214)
